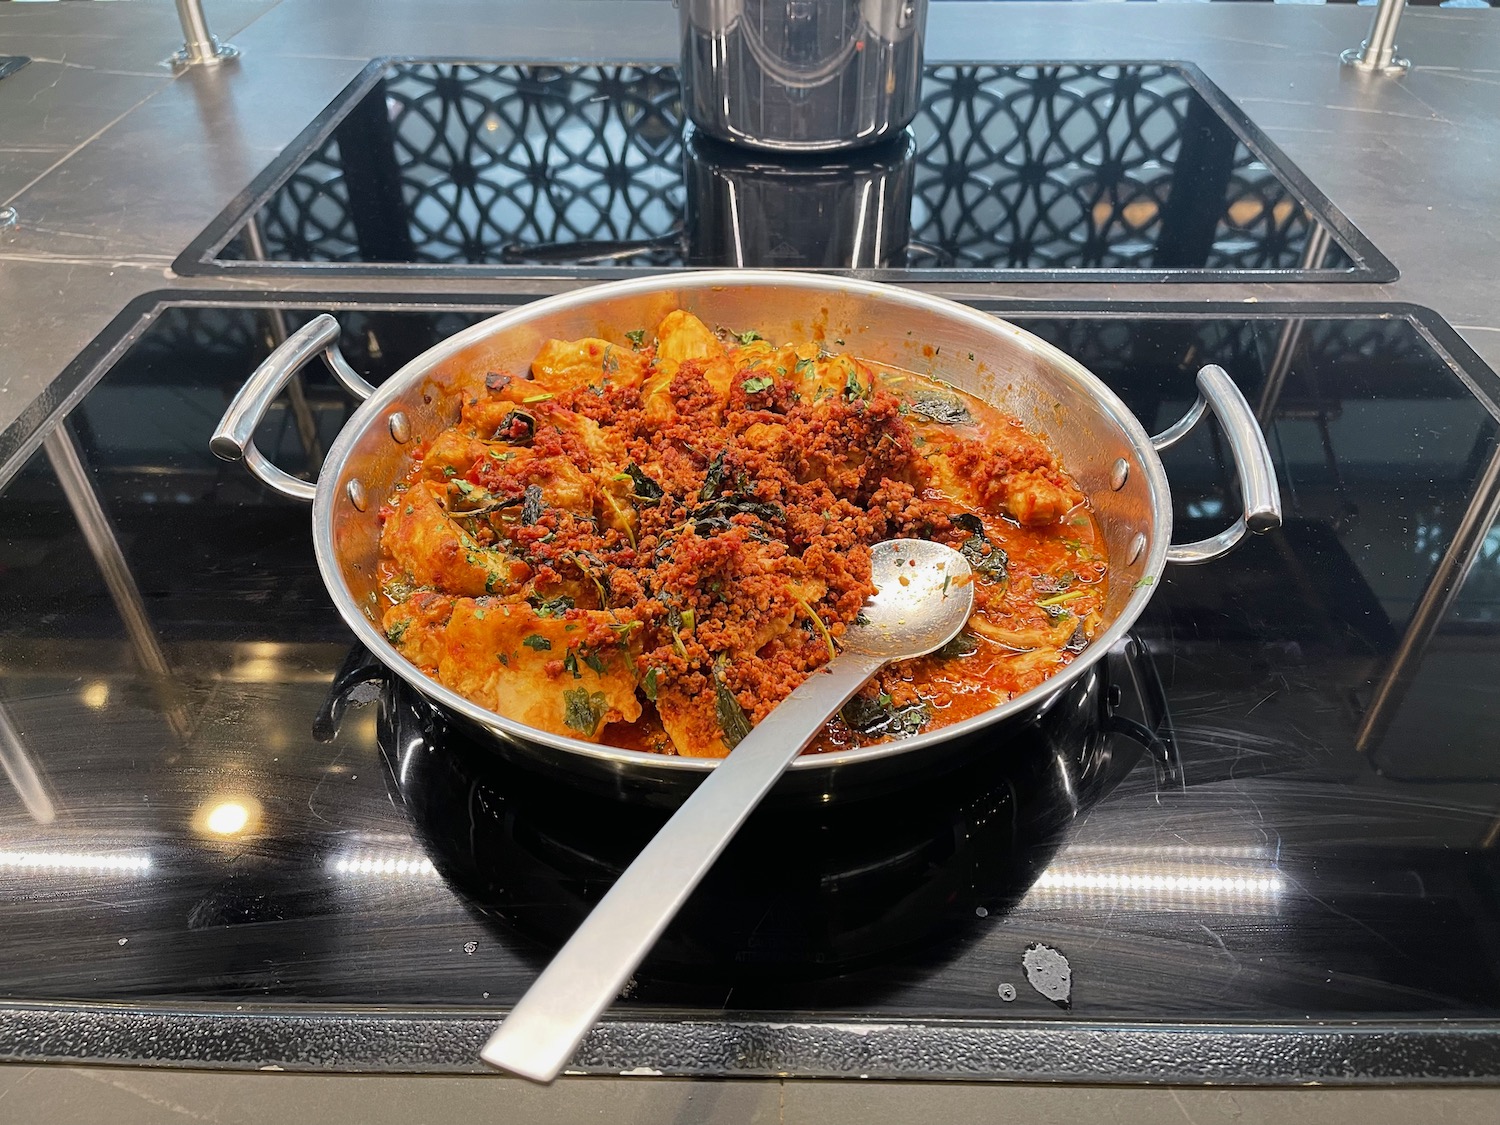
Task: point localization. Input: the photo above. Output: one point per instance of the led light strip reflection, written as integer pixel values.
(76, 861)
(1224, 888)
(1238, 885)
(412, 867)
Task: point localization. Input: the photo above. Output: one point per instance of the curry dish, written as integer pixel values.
(650, 543)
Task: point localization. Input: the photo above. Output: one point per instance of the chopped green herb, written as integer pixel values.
(395, 632)
(449, 471)
(803, 366)
(648, 685)
(637, 338)
(539, 643)
(881, 716)
(984, 557)
(570, 664)
(611, 362)
(748, 337)
(646, 492)
(531, 505)
(941, 406)
(714, 516)
(479, 615)
(1052, 583)
(818, 624)
(593, 661)
(1146, 581)
(582, 711)
(714, 478)
(732, 718)
(1062, 599)
(517, 427)
(689, 620)
(963, 644)
(758, 383)
(504, 659)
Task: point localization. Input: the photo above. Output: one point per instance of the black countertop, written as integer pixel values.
(1310, 861)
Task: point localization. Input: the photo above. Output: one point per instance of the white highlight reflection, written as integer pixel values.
(1216, 879)
(76, 861)
(1237, 885)
(412, 867)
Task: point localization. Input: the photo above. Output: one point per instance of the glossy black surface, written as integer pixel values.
(1026, 170)
(1291, 877)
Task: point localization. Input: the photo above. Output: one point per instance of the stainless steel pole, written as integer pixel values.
(199, 47)
(1442, 588)
(99, 534)
(1377, 54)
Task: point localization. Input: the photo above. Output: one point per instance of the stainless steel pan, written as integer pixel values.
(1095, 436)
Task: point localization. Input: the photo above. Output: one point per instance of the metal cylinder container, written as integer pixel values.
(802, 75)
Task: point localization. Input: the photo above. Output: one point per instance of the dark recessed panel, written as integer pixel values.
(1024, 171)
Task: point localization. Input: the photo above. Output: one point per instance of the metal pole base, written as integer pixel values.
(1355, 57)
(183, 57)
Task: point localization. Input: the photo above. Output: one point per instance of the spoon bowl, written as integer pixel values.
(924, 595)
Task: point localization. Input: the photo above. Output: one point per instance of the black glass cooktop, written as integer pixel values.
(1262, 839)
(1134, 169)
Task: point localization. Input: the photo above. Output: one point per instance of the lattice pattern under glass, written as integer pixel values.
(1015, 167)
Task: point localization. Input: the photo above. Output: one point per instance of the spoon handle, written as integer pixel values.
(563, 1004)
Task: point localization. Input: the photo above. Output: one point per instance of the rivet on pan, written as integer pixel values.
(1119, 474)
(356, 494)
(400, 427)
(1133, 552)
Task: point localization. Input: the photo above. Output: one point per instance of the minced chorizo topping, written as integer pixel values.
(650, 544)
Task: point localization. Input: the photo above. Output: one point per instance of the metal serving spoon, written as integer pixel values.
(924, 594)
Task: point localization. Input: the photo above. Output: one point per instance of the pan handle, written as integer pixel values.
(235, 437)
(1252, 463)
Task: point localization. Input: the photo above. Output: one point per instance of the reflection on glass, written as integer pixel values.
(1119, 166)
(228, 816)
(408, 865)
(89, 862)
(1175, 878)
